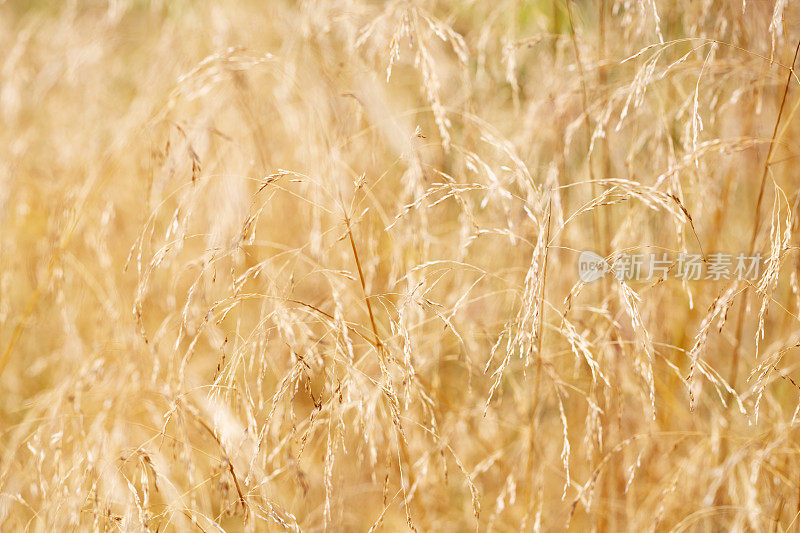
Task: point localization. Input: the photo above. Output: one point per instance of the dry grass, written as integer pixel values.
(312, 265)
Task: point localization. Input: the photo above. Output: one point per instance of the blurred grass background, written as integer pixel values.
(312, 265)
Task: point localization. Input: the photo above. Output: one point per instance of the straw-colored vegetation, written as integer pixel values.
(312, 266)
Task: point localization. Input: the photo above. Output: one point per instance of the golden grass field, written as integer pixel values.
(313, 266)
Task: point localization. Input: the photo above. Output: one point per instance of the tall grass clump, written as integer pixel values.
(313, 266)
